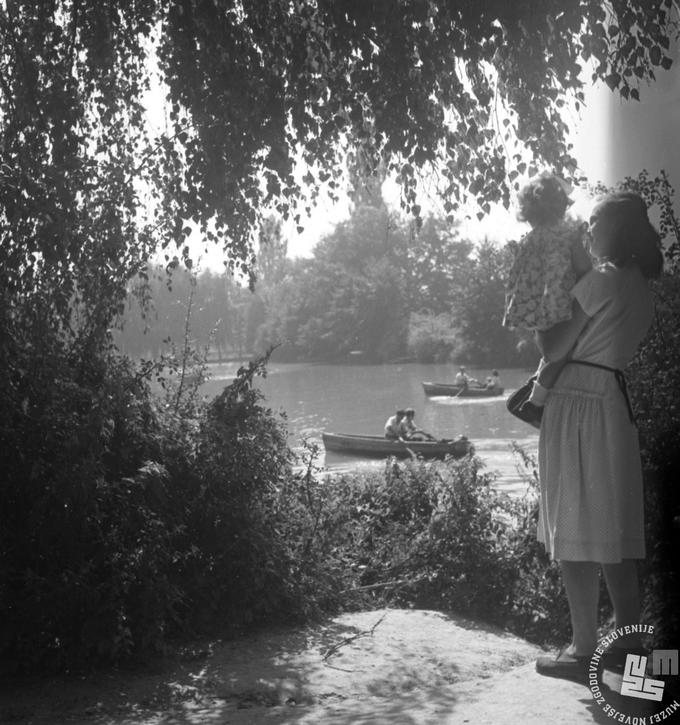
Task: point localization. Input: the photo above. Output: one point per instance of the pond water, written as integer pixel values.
(359, 398)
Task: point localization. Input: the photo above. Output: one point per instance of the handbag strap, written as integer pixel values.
(620, 379)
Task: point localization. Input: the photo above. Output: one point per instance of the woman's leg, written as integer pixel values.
(624, 592)
(582, 584)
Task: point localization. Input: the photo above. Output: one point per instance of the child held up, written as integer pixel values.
(548, 261)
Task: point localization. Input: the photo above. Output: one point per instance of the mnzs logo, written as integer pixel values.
(635, 684)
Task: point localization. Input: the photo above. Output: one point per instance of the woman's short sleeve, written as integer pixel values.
(594, 291)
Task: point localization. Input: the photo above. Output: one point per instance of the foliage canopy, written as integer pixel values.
(88, 190)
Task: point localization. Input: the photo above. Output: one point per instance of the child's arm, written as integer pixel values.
(546, 377)
(555, 344)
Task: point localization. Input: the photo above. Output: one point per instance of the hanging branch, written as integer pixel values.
(186, 346)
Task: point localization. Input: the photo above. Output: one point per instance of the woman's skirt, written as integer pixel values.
(591, 506)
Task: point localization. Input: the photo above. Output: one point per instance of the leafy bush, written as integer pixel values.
(654, 379)
(129, 517)
(81, 542)
(436, 534)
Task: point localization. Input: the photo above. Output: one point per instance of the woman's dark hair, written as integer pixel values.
(542, 201)
(633, 238)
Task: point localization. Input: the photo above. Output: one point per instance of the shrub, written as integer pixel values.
(80, 540)
(437, 534)
(128, 517)
(654, 379)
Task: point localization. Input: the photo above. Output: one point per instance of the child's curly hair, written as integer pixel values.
(543, 200)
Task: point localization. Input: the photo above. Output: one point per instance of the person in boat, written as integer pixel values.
(462, 378)
(393, 428)
(493, 381)
(409, 429)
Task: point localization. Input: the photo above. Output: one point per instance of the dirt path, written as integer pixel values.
(389, 667)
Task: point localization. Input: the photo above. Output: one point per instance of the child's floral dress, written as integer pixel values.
(541, 278)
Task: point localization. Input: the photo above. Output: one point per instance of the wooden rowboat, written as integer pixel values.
(458, 391)
(379, 447)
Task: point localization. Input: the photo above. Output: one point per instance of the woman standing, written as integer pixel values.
(591, 506)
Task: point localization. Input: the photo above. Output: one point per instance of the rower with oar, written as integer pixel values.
(394, 425)
(409, 431)
(462, 378)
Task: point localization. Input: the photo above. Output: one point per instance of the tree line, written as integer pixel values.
(377, 288)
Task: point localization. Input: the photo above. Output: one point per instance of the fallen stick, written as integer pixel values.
(379, 585)
(367, 633)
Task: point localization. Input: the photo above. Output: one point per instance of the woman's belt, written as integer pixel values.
(620, 379)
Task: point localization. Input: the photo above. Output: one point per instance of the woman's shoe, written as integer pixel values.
(564, 666)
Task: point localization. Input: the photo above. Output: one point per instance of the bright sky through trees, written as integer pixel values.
(601, 158)
(590, 143)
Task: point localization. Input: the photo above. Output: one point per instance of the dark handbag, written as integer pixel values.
(517, 404)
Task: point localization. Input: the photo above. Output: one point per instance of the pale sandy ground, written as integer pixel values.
(388, 667)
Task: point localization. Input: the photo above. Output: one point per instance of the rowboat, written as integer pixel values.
(460, 391)
(379, 447)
